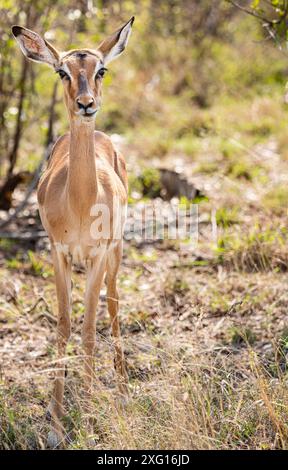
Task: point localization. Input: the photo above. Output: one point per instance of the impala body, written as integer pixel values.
(85, 178)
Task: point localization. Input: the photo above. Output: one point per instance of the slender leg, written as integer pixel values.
(113, 263)
(95, 274)
(62, 269)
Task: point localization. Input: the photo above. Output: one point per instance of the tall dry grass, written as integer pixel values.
(190, 399)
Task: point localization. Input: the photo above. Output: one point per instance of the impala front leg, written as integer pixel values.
(62, 269)
(95, 274)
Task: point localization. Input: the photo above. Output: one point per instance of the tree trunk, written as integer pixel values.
(18, 129)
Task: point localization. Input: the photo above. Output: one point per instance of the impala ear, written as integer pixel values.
(115, 44)
(34, 47)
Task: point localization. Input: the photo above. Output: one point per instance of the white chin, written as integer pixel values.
(87, 118)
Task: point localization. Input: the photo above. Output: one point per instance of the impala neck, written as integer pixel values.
(82, 178)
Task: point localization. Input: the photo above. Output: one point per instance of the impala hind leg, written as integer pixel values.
(62, 269)
(113, 263)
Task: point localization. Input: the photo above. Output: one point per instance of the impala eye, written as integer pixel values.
(101, 72)
(63, 74)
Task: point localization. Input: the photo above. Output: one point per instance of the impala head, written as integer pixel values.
(81, 70)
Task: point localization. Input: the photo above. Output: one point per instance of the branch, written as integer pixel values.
(26, 236)
(268, 24)
(257, 15)
(18, 128)
(30, 189)
(46, 154)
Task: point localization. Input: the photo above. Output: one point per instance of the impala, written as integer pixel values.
(85, 175)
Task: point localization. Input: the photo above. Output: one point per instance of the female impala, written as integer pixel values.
(84, 176)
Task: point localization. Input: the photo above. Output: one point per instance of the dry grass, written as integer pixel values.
(205, 334)
(206, 361)
(193, 401)
(259, 249)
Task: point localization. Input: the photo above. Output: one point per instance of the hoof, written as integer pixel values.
(54, 440)
(91, 442)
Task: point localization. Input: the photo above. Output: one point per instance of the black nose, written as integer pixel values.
(84, 105)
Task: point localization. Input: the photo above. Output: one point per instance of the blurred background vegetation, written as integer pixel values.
(186, 82)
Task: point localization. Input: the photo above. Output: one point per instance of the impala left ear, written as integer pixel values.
(34, 47)
(115, 44)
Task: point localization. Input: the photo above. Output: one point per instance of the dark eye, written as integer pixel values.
(63, 74)
(101, 72)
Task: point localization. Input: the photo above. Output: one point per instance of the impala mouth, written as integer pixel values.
(87, 114)
(90, 114)
(87, 117)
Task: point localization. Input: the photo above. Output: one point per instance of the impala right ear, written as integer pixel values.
(34, 47)
(115, 44)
